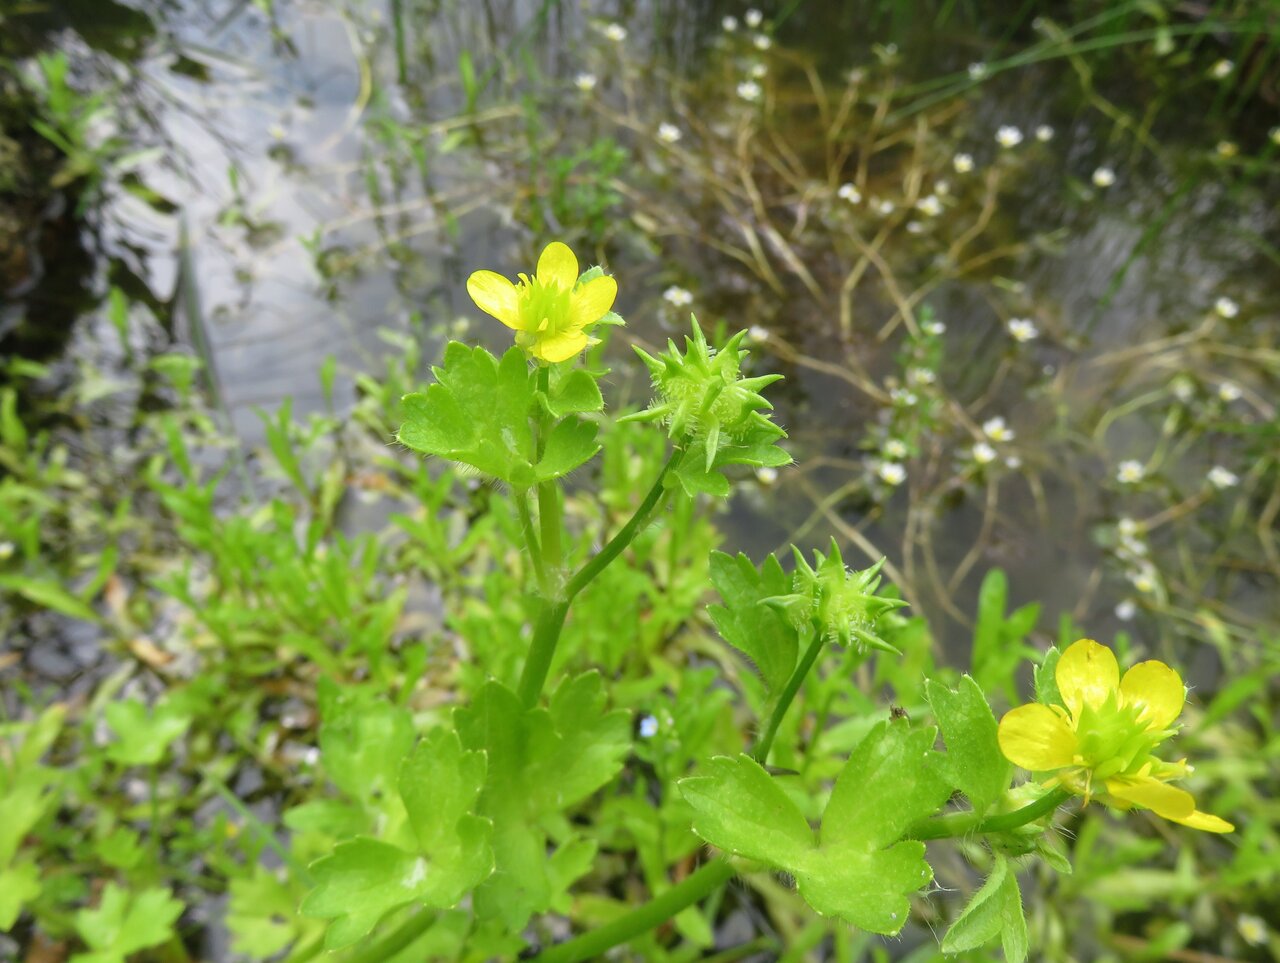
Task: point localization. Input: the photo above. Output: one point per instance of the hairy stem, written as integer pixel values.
(546, 633)
(761, 751)
(591, 946)
(966, 824)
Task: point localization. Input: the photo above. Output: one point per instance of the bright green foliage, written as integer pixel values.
(362, 743)
(840, 604)
(573, 391)
(995, 910)
(749, 625)
(541, 762)
(125, 922)
(144, 736)
(262, 914)
(858, 867)
(478, 413)
(28, 792)
(364, 879)
(974, 763)
(999, 639)
(712, 412)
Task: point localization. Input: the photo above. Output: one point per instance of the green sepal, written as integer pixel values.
(995, 910)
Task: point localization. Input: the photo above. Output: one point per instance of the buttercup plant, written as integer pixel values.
(475, 826)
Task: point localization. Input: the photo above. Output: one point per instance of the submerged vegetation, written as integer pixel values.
(342, 620)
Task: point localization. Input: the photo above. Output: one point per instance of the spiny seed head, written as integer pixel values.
(701, 397)
(841, 604)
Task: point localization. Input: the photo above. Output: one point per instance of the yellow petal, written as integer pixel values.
(1036, 738)
(588, 304)
(495, 295)
(1206, 822)
(1161, 798)
(557, 265)
(561, 348)
(1157, 690)
(1087, 673)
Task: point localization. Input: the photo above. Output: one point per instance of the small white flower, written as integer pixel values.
(915, 227)
(1274, 134)
(730, 24)
(668, 133)
(983, 453)
(997, 430)
(1221, 478)
(585, 82)
(766, 475)
(896, 449)
(1126, 610)
(891, 473)
(1130, 472)
(885, 207)
(1044, 133)
(1221, 70)
(929, 206)
(934, 328)
(1252, 929)
(615, 32)
(759, 71)
(757, 334)
(1227, 148)
(753, 18)
(1183, 388)
(977, 71)
(6, 551)
(1226, 308)
(1128, 527)
(648, 727)
(1135, 547)
(677, 296)
(1013, 463)
(310, 756)
(963, 163)
(1229, 392)
(901, 396)
(1008, 136)
(921, 376)
(1144, 579)
(1104, 177)
(850, 193)
(749, 90)
(1023, 330)
(857, 75)
(942, 188)
(762, 41)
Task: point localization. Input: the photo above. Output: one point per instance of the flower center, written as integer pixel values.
(544, 307)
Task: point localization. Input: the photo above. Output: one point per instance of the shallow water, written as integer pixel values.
(326, 185)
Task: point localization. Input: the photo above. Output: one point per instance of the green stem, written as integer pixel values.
(761, 751)
(965, 824)
(531, 541)
(546, 633)
(592, 946)
(548, 491)
(397, 940)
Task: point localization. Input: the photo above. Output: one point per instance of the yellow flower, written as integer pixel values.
(1101, 741)
(550, 312)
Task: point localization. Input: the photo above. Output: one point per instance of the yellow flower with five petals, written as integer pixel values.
(551, 312)
(1099, 742)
